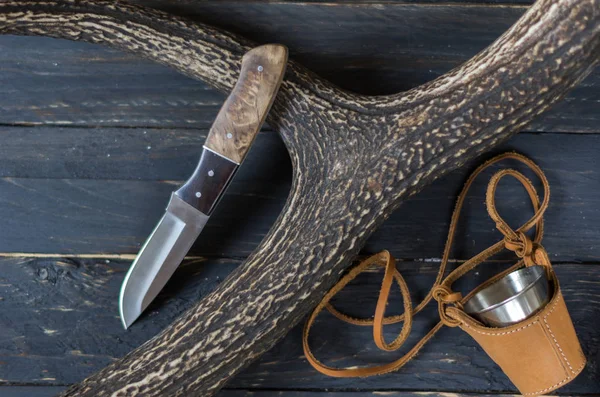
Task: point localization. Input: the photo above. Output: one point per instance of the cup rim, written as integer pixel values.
(509, 276)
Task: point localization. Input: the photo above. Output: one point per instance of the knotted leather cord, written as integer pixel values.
(529, 251)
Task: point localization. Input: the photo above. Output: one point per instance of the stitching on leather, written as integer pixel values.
(555, 341)
(501, 333)
(568, 378)
(514, 330)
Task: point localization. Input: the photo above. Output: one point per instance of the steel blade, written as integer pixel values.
(159, 257)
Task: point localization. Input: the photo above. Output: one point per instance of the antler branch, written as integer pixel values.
(355, 159)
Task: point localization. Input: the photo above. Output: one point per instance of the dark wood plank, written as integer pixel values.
(53, 309)
(75, 216)
(30, 391)
(120, 153)
(57, 339)
(54, 82)
(115, 216)
(368, 48)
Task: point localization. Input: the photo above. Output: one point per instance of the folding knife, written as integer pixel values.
(228, 141)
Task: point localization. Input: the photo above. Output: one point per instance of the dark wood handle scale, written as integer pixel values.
(236, 126)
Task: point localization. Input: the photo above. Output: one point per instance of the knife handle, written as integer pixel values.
(246, 108)
(236, 126)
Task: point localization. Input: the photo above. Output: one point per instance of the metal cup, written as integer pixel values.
(513, 298)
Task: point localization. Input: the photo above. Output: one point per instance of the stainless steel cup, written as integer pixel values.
(513, 298)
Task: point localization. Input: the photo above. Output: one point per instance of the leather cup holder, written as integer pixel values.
(539, 354)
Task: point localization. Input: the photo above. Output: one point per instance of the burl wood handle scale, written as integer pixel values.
(236, 126)
(245, 110)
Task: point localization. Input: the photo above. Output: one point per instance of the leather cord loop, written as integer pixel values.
(516, 240)
(521, 246)
(445, 296)
(383, 259)
(450, 303)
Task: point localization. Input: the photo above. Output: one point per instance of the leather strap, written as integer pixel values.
(450, 303)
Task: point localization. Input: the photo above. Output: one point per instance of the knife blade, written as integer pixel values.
(190, 207)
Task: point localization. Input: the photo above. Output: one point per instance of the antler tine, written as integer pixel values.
(355, 159)
(495, 94)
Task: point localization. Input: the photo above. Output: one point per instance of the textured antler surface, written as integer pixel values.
(355, 159)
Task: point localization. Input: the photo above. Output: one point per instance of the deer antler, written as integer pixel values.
(355, 159)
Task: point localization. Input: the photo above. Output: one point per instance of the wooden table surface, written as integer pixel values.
(93, 140)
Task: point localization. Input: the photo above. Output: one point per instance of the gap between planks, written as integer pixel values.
(80, 256)
(265, 130)
(360, 257)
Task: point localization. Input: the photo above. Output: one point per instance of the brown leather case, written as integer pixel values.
(539, 354)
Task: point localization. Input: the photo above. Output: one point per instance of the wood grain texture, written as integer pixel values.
(141, 154)
(30, 391)
(246, 108)
(369, 49)
(392, 146)
(52, 307)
